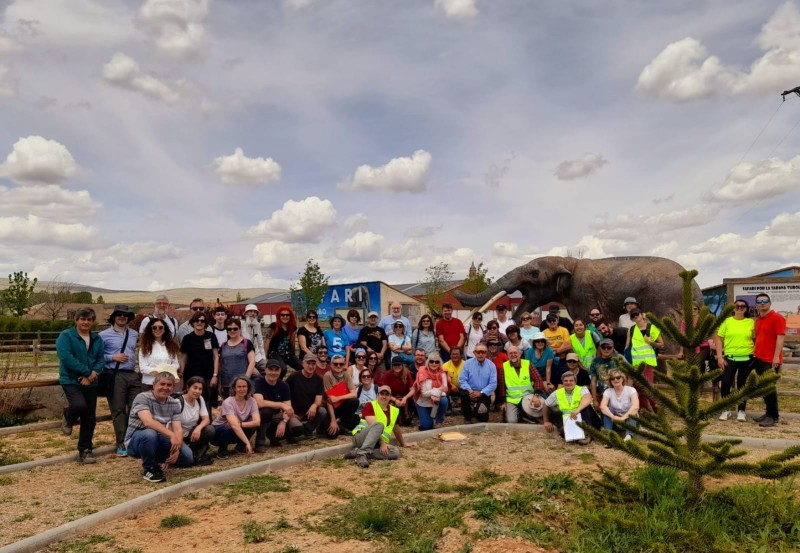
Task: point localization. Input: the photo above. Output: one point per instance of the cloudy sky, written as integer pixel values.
(161, 143)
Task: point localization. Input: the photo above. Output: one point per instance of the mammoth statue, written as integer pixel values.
(581, 284)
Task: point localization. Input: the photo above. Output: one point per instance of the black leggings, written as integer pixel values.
(738, 370)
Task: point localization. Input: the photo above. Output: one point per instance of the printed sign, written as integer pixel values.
(341, 298)
(785, 300)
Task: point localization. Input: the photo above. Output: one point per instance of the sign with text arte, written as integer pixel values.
(785, 300)
(341, 298)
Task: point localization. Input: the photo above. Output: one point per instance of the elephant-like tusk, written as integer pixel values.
(485, 306)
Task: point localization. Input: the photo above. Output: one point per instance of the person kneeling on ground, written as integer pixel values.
(571, 401)
(375, 430)
(237, 421)
(477, 381)
(155, 434)
(196, 422)
(275, 407)
(431, 392)
(520, 389)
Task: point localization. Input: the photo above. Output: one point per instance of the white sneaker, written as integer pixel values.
(741, 417)
(628, 437)
(725, 415)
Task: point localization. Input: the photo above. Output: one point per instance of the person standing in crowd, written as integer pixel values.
(449, 332)
(620, 402)
(431, 397)
(735, 345)
(377, 425)
(323, 363)
(306, 391)
(558, 340)
(497, 356)
(155, 433)
(493, 333)
(503, 320)
(541, 356)
(400, 343)
(570, 401)
(575, 366)
(80, 362)
(238, 420)
(355, 369)
(200, 357)
(395, 315)
(237, 357)
(583, 343)
(520, 389)
(515, 339)
(373, 338)
(563, 322)
(625, 320)
(119, 343)
(251, 329)
(770, 332)
(477, 381)
(474, 334)
(644, 339)
(453, 370)
(377, 369)
(352, 331)
(196, 306)
(335, 338)
(196, 422)
(367, 390)
(161, 311)
(424, 336)
(596, 318)
(218, 328)
(156, 348)
(282, 339)
(527, 330)
(275, 408)
(309, 336)
(598, 371)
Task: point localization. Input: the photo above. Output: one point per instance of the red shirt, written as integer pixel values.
(368, 411)
(320, 371)
(399, 388)
(768, 328)
(451, 330)
(498, 361)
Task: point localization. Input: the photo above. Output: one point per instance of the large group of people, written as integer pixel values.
(225, 381)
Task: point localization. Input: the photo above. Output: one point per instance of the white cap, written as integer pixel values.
(251, 307)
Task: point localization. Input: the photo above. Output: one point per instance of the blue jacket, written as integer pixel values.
(73, 358)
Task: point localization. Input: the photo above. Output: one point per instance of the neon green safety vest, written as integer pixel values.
(517, 385)
(380, 416)
(641, 351)
(568, 407)
(587, 352)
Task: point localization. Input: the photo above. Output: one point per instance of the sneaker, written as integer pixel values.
(121, 451)
(585, 441)
(768, 422)
(154, 474)
(292, 440)
(741, 416)
(351, 454)
(86, 457)
(761, 418)
(66, 426)
(260, 449)
(725, 415)
(362, 461)
(205, 461)
(223, 454)
(628, 437)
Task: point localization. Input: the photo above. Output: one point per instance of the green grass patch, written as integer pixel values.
(282, 524)
(23, 517)
(257, 485)
(175, 521)
(290, 549)
(336, 462)
(255, 532)
(84, 545)
(341, 493)
(6, 480)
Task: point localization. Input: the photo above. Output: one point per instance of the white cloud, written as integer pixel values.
(124, 72)
(758, 181)
(505, 249)
(589, 247)
(35, 230)
(457, 9)
(582, 167)
(50, 202)
(405, 250)
(36, 160)
(7, 43)
(176, 25)
(401, 174)
(157, 286)
(7, 88)
(274, 253)
(238, 169)
(138, 253)
(355, 221)
(684, 71)
(622, 226)
(362, 246)
(297, 4)
(303, 221)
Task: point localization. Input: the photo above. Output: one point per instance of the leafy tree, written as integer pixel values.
(53, 298)
(100, 300)
(436, 284)
(239, 296)
(476, 280)
(674, 434)
(311, 289)
(17, 297)
(81, 297)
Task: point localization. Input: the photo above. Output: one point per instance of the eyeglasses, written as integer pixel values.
(282, 315)
(477, 318)
(232, 328)
(526, 318)
(338, 364)
(157, 327)
(311, 317)
(613, 378)
(570, 361)
(481, 352)
(762, 302)
(606, 347)
(200, 321)
(431, 362)
(373, 359)
(740, 306)
(366, 377)
(361, 356)
(197, 308)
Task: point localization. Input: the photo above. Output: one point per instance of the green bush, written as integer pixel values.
(24, 326)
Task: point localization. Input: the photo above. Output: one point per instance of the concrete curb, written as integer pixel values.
(61, 459)
(60, 533)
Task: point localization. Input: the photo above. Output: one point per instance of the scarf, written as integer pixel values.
(424, 374)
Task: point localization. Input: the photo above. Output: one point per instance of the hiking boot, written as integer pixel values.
(741, 416)
(204, 461)
(85, 457)
(725, 415)
(154, 474)
(362, 461)
(351, 454)
(761, 418)
(767, 422)
(585, 441)
(121, 451)
(292, 440)
(223, 454)
(66, 426)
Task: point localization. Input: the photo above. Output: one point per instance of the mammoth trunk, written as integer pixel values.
(477, 300)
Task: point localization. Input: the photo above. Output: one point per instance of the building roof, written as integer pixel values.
(271, 297)
(418, 288)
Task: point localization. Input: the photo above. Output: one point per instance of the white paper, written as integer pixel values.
(572, 431)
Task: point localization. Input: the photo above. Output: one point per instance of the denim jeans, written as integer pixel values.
(153, 448)
(224, 436)
(424, 413)
(608, 424)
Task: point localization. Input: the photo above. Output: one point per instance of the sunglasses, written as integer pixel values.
(526, 318)
(202, 321)
(594, 314)
(366, 377)
(606, 347)
(285, 315)
(157, 327)
(615, 378)
(311, 317)
(740, 306)
(481, 352)
(434, 362)
(569, 361)
(361, 356)
(338, 364)
(198, 308)
(232, 328)
(373, 359)
(762, 302)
